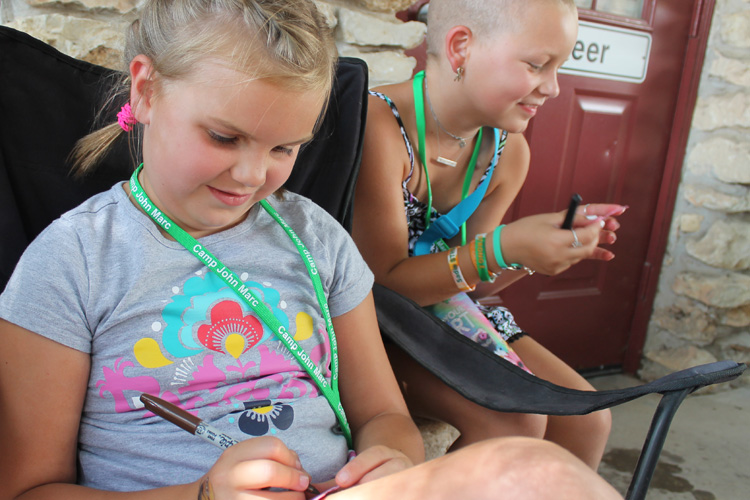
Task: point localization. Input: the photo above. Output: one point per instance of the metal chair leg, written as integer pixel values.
(657, 434)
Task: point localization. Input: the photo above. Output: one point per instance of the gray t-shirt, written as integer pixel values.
(103, 280)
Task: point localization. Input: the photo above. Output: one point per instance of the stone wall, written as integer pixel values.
(92, 30)
(702, 308)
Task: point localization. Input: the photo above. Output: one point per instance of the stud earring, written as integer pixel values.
(459, 74)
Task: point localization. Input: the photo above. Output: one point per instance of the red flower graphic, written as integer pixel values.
(229, 331)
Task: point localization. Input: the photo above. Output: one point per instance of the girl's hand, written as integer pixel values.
(373, 463)
(539, 243)
(248, 469)
(608, 212)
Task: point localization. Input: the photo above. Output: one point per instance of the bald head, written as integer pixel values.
(485, 18)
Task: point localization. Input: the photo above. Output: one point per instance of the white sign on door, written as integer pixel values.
(611, 53)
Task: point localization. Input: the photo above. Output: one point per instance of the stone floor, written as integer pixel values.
(705, 456)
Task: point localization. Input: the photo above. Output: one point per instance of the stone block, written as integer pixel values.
(369, 30)
(665, 361)
(725, 110)
(726, 291)
(737, 317)
(736, 347)
(731, 70)
(437, 437)
(119, 6)
(725, 245)
(690, 223)
(391, 6)
(328, 11)
(735, 29)
(728, 160)
(98, 42)
(385, 67)
(713, 199)
(687, 320)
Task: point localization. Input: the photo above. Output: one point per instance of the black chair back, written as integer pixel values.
(49, 100)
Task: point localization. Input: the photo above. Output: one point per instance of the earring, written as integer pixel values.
(459, 74)
(126, 119)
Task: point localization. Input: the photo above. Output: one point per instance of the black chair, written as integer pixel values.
(49, 100)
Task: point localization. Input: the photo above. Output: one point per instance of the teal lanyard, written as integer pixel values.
(330, 391)
(418, 89)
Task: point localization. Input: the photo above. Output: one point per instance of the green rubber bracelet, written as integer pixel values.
(498, 251)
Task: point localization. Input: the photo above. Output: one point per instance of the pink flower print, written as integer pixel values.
(230, 332)
(118, 384)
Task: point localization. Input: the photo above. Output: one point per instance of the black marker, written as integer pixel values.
(575, 200)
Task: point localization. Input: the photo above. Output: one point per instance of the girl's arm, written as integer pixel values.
(380, 228)
(508, 179)
(42, 386)
(385, 437)
(379, 223)
(42, 389)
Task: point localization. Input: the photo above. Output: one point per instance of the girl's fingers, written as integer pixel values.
(602, 209)
(257, 464)
(607, 237)
(325, 485)
(374, 462)
(611, 224)
(584, 240)
(606, 228)
(602, 254)
(392, 466)
(590, 237)
(267, 448)
(261, 474)
(583, 221)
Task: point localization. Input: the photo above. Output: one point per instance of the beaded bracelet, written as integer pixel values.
(456, 273)
(499, 252)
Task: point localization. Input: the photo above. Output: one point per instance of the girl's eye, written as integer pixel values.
(535, 67)
(285, 150)
(221, 139)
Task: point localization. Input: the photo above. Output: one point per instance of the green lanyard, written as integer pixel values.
(330, 391)
(417, 87)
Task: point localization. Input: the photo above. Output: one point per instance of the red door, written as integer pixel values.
(610, 136)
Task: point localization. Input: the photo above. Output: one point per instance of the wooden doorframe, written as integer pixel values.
(660, 230)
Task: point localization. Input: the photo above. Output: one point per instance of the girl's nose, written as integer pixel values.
(250, 170)
(549, 86)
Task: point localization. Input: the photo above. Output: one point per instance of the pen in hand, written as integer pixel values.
(194, 425)
(575, 200)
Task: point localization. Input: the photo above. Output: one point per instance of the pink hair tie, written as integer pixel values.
(126, 119)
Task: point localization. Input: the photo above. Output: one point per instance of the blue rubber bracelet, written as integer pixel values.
(499, 252)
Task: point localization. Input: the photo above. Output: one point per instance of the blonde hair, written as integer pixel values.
(285, 41)
(485, 18)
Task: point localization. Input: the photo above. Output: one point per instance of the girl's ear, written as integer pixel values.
(141, 88)
(457, 42)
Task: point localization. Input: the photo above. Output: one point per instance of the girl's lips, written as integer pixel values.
(230, 199)
(529, 108)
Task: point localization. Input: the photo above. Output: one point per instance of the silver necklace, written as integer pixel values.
(461, 140)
